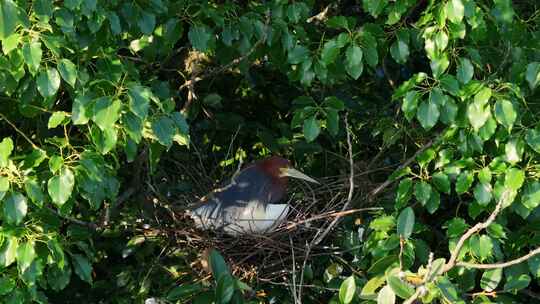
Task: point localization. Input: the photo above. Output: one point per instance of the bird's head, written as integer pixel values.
(279, 167)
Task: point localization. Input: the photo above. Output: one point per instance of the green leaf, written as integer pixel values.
(200, 37)
(182, 291)
(81, 110)
(428, 114)
(6, 147)
(484, 175)
(465, 71)
(224, 289)
(43, 9)
(15, 208)
(347, 290)
(439, 65)
(479, 110)
(218, 265)
(147, 22)
(405, 223)
(386, 295)
(330, 51)
(7, 284)
(9, 18)
(410, 104)
(491, 279)
(514, 149)
(164, 129)
(55, 163)
(4, 184)
(8, 251)
(106, 112)
(10, 43)
(514, 283)
(464, 182)
(139, 100)
(332, 121)
(455, 11)
(441, 182)
(448, 290)
(56, 119)
(82, 267)
(297, 54)
(531, 195)
(58, 278)
(60, 186)
(441, 40)
(483, 193)
(312, 128)
(532, 137)
(534, 265)
(48, 82)
(481, 246)
(437, 268)
(422, 192)
(404, 192)
(25, 255)
(505, 113)
(532, 75)
(32, 55)
(514, 179)
(68, 71)
(400, 288)
(353, 61)
(399, 51)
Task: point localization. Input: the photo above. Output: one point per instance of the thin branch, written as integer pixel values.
(351, 188)
(480, 226)
(388, 182)
(190, 84)
(500, 265)
(332, 214)
(90, 225)
(19, 131)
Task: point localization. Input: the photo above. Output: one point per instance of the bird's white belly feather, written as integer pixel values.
(253, 218)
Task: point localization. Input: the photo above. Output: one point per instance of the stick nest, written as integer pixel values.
(262, 257)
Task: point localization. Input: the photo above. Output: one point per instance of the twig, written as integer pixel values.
(333, 214)
(500, 265)
(455, 253)
(19, 131)
(90, 225)
(296, 298)
(319, 237)
(345, 207)
(413, 297)
(388, 182)
(196, 78)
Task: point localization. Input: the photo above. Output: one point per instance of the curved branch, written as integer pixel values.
(454, 255)
(501, 265)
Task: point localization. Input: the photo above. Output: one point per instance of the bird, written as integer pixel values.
(250, 202)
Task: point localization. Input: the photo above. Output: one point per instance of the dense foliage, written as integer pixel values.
(93, 90)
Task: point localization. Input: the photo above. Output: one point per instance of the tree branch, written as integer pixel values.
(455, 253)
(501, 265)
(19, 131)
(388, 182)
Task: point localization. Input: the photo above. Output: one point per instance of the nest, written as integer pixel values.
(268, 257)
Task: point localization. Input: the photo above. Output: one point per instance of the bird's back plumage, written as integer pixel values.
(246, 204)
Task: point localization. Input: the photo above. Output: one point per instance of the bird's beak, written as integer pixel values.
(291, 172)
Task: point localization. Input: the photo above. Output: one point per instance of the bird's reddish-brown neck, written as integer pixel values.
(273, 166)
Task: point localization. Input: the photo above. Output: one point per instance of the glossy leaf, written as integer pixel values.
(61, 186)
(48, 82)
(82, 267)
(347, 290)
(68, 71)
(311, 128)
(15, 207)
(405, 223)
